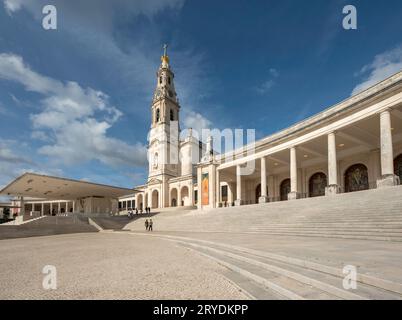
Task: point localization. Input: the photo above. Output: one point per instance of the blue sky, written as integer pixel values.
(75, 101)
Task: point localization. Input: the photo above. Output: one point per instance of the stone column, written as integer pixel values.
(264, 197)
(179, 196)
(293, 175)
(42, 209)
(333, 187)
(149, 199)
(218, 190)
(33, 208)
(66, 207)
(199, 188)
(388, 178)
(238, 201)
(212, 185)
(230, 194)
(58, 207)
(191, 194)
(51, 208)
(22, 205)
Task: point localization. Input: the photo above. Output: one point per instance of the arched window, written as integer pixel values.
(157, 115)
(160, 80)
(171, 115)
(169, 80)
(317, 184)
(398, 166)
(356, 178)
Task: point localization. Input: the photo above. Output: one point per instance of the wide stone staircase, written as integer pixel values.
(263, 274)
(372, 215)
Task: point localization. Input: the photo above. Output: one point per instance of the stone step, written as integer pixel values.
(385, 287)
(328, 283)
(334, 230)
(304, 282)
(283, 286)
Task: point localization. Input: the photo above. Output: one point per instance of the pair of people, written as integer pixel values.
(147, 210)
(149, 225)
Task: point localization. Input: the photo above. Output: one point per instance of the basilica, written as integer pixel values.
(352, 146)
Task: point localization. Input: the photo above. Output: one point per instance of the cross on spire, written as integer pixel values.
(165, 49)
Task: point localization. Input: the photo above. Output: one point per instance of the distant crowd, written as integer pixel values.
(132, 212)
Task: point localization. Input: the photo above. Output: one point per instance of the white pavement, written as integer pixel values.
(110, 266)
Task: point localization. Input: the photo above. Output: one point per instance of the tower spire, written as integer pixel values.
(165, 57)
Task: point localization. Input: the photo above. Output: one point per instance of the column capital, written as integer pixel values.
(387, 110)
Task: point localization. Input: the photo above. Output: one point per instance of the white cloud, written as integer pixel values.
(267, 85)
(94, 10)
(274, 72)
(92, 25)
(383, 66)
(12, 5)
(75, 118)
(196, 121)
(7, 155)
(3, 110)
(14, 161)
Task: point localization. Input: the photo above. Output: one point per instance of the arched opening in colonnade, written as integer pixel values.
(317, 184)
(356, 178)
(185, 200)
(173, 197)
(140, 202)
(284, 189)
(155, 199)
(398, 167)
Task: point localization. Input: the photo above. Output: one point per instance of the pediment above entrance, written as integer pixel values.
(154, 181)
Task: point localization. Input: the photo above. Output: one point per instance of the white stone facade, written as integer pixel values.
(354, 145)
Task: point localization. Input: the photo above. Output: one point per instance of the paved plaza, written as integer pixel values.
(110, 266)
(198, 265)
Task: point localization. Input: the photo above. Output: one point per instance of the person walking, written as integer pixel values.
(146, 224)
(150, 225)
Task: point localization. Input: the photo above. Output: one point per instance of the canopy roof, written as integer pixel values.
(42, 186)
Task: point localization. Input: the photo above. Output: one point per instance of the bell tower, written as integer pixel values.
(163, 148)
